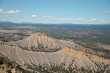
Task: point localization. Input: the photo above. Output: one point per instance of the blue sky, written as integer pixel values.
(56, 11)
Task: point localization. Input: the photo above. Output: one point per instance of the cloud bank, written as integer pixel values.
(12, 14)
(12, 11)
(8, 12)
(70, 19)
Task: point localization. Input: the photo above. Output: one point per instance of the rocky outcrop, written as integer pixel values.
(41, 49)
(43, 43)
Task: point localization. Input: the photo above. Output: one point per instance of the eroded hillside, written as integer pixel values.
(40, 49)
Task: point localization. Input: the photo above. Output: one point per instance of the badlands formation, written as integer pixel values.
(41, 49)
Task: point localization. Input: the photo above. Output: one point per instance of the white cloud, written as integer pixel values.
(34, 16)
(45, 17)
(41, 17)
(9, 12)
(1, 10)
(70, 19)
(12, 11)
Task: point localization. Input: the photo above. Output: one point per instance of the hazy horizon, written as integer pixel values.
(56, 12)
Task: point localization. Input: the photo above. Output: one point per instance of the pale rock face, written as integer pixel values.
(51, 51)
(40, 42)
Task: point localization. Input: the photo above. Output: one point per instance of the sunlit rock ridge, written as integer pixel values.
(43, 43)
(41, 49)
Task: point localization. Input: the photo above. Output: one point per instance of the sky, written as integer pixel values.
(56, 11)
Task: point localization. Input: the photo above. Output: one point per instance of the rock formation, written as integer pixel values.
(42, 49)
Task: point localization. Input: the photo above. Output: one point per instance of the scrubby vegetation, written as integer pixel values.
(85, 37)
(6, 66)
(102, 68)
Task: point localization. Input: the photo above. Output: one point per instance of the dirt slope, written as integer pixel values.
(41, 49)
